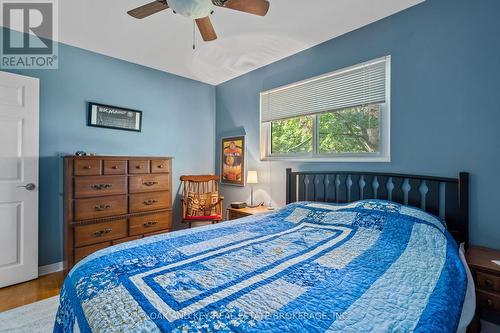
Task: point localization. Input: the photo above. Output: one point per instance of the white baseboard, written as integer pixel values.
(52, 268)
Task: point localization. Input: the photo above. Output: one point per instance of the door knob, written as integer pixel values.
(29, 186)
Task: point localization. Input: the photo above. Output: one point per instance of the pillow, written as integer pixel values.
(202, 204)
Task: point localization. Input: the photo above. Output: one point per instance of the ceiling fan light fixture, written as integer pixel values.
(200, 10)
(193, 9)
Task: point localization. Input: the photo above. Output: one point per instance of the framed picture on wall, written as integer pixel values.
(107, 116)
(233, 161)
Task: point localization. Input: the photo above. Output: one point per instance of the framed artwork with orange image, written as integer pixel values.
(233, 161)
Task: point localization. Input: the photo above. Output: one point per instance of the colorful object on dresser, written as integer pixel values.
(200, 199)
(113, 199)
(306, 267)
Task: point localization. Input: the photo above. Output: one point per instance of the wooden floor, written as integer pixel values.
(31, 291)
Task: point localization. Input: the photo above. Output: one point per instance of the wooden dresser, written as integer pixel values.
(110, 200)
(487, 281)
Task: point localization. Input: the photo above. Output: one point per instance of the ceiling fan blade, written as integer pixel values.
(148, 9)
(207, 30)
(256, 7)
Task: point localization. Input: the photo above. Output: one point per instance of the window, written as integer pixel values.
(352, 130)
(292, 136)
(339, 116)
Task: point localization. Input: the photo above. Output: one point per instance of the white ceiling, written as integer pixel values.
(246, 42)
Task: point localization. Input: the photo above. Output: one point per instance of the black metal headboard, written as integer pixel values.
(447, 198)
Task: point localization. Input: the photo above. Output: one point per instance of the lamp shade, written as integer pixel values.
(252, 177)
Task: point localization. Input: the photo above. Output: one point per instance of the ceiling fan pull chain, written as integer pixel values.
(194, 37)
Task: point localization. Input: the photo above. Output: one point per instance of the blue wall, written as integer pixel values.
(172, 106)
(445, 108)
(445, 114)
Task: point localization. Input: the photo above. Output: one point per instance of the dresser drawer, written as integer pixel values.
(160, 166)
(150, 223)
(149, 183)
(115, 167)
(82, 252)
(488, 281)
(100, 232)
(87, 167)
(488, 300)
(98, 186)
(138, 166)
(100, 207)
(149, 201)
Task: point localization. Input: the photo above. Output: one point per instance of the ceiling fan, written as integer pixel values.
(199, 10)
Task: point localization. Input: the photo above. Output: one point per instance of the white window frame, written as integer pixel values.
(385, 143)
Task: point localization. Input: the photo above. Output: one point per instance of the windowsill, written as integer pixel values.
(346, 159)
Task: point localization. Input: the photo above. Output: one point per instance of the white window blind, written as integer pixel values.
(354, 86)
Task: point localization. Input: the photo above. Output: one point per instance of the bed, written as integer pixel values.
(350, 252)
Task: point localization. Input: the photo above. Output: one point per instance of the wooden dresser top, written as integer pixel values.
(111, 157)
(481, 258)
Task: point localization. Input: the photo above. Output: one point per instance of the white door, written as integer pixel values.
(18, 178)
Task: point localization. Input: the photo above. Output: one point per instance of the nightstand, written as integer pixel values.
(236, 213)
(487, 280)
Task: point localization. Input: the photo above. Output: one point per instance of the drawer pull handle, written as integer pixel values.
(488, 283)
(87, 167)
(101, 186)
(161, 166)
(115, 167)
(150, 224)
(150, 202)
(101, 208)
(490, 302)
(139, 166)
(101, 233)
(150, 183)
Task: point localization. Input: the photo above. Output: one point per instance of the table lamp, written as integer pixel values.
(252, 179)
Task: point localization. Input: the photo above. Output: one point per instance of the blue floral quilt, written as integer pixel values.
(369, 266)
